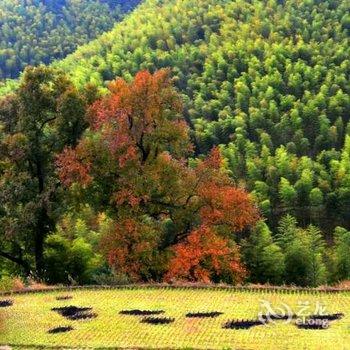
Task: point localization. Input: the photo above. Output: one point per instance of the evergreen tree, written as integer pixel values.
(263, 258)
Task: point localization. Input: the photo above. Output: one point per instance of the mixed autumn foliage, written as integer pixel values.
(266, 81)
(171, 219)
(111, 190)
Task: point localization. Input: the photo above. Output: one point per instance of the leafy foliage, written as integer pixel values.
(342, 259)
(294, 256)
(44, 115)
(264, 258)
(273, 92)
(133, 158)
(34, 32)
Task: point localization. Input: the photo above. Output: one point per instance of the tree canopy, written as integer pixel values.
(134, 158)
(46, 114)
(266, 81)
(34, 32)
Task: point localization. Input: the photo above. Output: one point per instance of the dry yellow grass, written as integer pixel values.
(30, 318)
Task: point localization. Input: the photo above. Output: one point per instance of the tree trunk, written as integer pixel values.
(39, 252)
(42, 230)
(42, 227)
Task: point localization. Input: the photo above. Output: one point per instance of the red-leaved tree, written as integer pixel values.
(170, 220)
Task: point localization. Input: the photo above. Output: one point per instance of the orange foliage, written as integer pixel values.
(135, 160)
(226, 205)
(204, 255)
(223, 210)
(129, 246)
(134, 120)
(71, 169)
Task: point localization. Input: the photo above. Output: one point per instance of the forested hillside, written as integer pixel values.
(40, 31)
(267, 82)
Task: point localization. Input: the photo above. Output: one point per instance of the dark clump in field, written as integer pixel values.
(330, 317)
(64, 297)
(157, 320)
(242, 324)
(314, 323)
(82, 316)
(60, 330)
(141, 312)
(75, 313)
(204, 314)
(6, 303)
(70, 310)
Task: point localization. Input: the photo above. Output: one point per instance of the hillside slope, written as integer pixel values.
(269, 80)
(33, 32)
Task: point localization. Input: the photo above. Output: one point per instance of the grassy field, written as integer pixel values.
(28, 320)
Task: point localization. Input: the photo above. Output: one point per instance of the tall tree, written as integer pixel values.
(44, 115)
(133, 165)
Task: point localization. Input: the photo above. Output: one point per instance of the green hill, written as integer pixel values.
(40, 31)
(268, 80)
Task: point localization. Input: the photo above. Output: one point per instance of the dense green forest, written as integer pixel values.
(268, 80)
(40, 31)
(265, 81)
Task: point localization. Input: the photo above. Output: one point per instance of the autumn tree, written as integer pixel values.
(132, 165)
(44, 115)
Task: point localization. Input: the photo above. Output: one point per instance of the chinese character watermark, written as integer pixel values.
(305, 314)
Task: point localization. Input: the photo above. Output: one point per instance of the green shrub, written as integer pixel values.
(305, 253)
(342, 254)
(8, 283)
(69, 261)
(263, 258)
